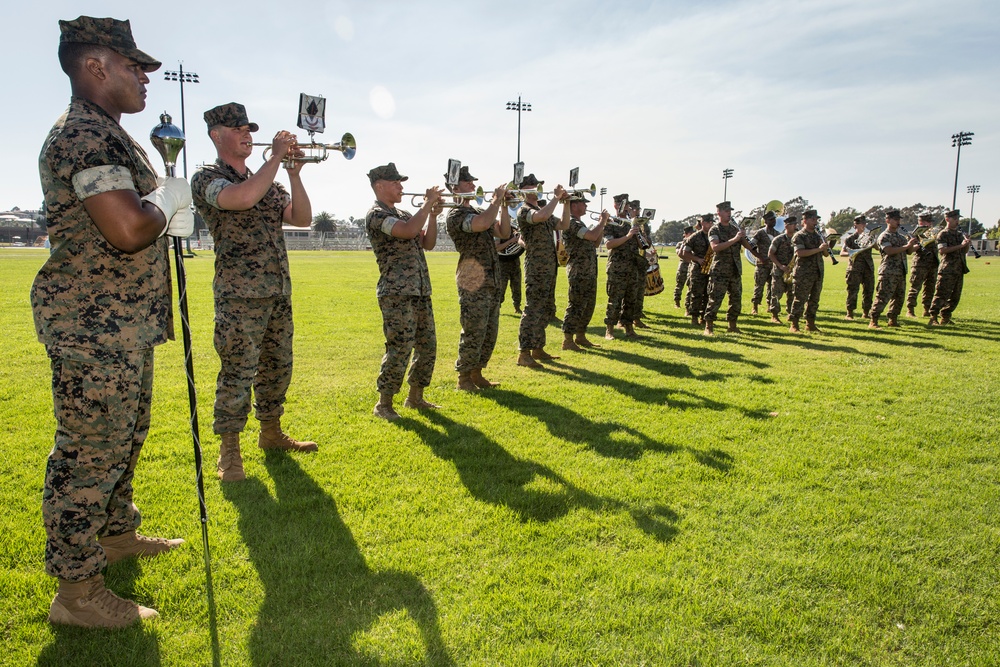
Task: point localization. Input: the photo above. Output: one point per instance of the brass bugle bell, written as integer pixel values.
(315, 152)
(417, 199)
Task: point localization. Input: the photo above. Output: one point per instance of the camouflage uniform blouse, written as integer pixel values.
(250, 257)
(88, 293)
(478, 262)
(861, 259)
(813, 264)
(582, 253)
(892, 264)
(726, 262)
(953, 262)
(539, 242)
(926, 256)
(783, 250)
(762, 243)
(401, 263)
(626, 251)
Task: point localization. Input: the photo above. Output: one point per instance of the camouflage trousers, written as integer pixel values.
(680, 280)
(697, 291)
(861, 279)
(539, 304)
(621, 295)
(762, 280)
(582, 301)
(922, 277)
(408, 325)
(253, 338)
(947, 293)
(891, 292)
(640, 289)
(718, 287)
(479, 313)
(806, 290)
(779, 289)
(101, 402)
(510, 272)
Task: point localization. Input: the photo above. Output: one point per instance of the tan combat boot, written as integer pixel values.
(481, 382)
(793, 326)
(733, 328)
(946, 319)
(709, 328)
(775, 319)
(629, 331)
(568, 343)
(539, 354)
(383, 409)
(609, 334)
(753, 311)
(465, 382)
(695, 321)
(811, 326)
(415, 399)
(88, 604)
(639, 324)
(230, 464)
(892, 322)
(127, 545)
(874, 324)
(582, 341)
(850, 316)
(910, 313)
(933, 322)
(927, 312)
(272, 437)
(524, 359)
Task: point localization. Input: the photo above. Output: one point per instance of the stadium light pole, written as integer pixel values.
(519, 106)
(726, 175)
(183, 77)
(973, 189)
(957, 141)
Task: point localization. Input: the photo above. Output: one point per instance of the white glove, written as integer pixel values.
(172, 195)
(182, 224)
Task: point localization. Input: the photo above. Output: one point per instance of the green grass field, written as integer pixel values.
(764, 499)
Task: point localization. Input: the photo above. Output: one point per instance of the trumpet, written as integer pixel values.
(596, 215)
(417, 199)
(592, 191)
(315, 152)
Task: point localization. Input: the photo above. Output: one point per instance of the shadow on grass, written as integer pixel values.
(135, 645)
(493, 475)
(609, 439)
(318, 590)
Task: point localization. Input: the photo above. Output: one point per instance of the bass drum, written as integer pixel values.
(654, 282)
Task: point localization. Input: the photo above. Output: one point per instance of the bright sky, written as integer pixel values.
(844, 102)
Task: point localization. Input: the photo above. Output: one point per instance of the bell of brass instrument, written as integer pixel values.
(866, 241)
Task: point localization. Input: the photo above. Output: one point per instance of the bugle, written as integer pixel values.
(592, 191)
(315, 152)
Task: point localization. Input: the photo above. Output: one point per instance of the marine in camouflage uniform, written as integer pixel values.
(696, 250)
(761, 241)
(581, 243)
(781, 253)
(537, 225)
(860, 274)
(478, 280)
(244, 212)
(101, 303)
(399, 240)
(726, 273)
(807, 276)
(923, 273)
(510, 272)
(894, 246)
(952, 245)
(681, 277)
(641, 265)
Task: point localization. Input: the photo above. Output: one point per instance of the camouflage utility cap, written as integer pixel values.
(530, 182)
(708, 217)
(810, 213)
(112, 33)
(893, 213)
(464, 175)
(386, 172)
(927, 217)
(724, 206)
(953, 214)
(769, 215)
(859, 218)
(229, 115)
